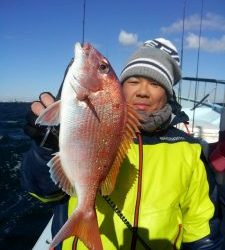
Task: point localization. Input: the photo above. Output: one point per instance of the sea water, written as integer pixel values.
(22, 218)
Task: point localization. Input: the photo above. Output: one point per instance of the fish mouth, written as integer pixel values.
(82, 49)
(78, 50)
(86, 65)
(79, 61)
(80, 84)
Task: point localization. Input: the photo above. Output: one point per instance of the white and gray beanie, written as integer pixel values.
(156, 59)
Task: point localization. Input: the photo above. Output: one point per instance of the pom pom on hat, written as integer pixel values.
(156, 59)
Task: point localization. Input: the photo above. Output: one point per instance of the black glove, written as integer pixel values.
(43, 135)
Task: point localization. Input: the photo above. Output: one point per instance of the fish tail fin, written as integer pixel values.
(83, 225)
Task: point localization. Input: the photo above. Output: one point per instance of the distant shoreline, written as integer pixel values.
(16, 101)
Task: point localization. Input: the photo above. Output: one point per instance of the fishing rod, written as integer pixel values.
(83, 23)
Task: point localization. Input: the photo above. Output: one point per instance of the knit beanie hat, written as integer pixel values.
(156, 59)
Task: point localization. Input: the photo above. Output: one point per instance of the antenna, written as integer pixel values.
(84, 12)
(196, 84)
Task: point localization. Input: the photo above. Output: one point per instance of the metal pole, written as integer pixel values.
(181, 53)
(199, 45)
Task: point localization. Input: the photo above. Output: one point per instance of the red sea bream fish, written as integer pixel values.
(96, 128)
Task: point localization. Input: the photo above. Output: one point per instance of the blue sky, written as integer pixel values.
(37, 37)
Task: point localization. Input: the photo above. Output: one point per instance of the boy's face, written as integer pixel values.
(144, 94)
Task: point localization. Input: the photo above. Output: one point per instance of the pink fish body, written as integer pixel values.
(96, 127)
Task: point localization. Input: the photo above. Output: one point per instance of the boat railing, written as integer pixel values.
(203, 99)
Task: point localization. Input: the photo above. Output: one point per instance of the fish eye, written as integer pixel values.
(103, 68)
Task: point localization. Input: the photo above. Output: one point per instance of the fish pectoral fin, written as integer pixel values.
(59, 176)
(50, 116)
(131, 128)
(84, 225)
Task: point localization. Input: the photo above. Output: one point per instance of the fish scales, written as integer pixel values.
(94, 136)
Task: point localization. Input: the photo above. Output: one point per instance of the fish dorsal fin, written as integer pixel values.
(130, 130)
(50, 116)
(58, 175)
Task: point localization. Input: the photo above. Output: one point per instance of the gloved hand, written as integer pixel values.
(42, 135)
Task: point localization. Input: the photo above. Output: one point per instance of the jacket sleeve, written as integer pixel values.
(201, 225)
(36, 177)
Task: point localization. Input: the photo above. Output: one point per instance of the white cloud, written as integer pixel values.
(206, 44)
(127, 39)
(210, 22)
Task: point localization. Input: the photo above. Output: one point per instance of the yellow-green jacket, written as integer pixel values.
(174, 193)
(165, 172)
